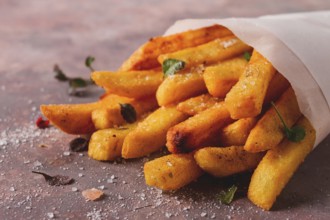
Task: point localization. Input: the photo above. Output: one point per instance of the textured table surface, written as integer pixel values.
(34, 35)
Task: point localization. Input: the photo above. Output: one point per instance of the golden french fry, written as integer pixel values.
(199, 130)
(212, 52)
(110, 116)
(246, 97)
(226, 161)
(277, 167)
(145, 57)
(106, 145)
(197, 104)
(134, 84)
(150, 134)
(269, 130)
(179, 87)
(220, 78)
(171, 172)
(236, 133)
(76, 118)
(277, 86)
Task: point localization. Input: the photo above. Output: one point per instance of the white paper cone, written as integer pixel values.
(298, 45)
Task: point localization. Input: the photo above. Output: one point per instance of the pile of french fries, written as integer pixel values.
(214, 115)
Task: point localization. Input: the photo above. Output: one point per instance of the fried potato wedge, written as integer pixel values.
(277, 167)
(106, 145)
(269, 131)
(145, 57)
(76, 118)
(226, 161)
(171, 172)
(134, 84)
(197, 104)
(150, 134)
(110, 116)
(209, 53)
(179, 87)
(246, 97)
(199, 130)
(236, 133)
(221, 77)
(277, 86)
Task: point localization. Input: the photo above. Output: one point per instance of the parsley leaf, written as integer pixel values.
(294, 134)
(128, 112)
(172, 66)
(60, 75)
(88, 62)
(226, 197)
(247, 56)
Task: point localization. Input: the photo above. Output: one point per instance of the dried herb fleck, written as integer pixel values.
(79, 144)
(57, 180)
(247, 56)
(226, 197)
(128, 112)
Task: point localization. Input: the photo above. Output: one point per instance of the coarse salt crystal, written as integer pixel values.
(228, 43)
(66, 153)
(203, 214)
(50, 215)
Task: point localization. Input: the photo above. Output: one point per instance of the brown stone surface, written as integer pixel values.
(37, 34)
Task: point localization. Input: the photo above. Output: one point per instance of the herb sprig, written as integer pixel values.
(226, 197)
(294, 134)
(172, 66)
(75, 83)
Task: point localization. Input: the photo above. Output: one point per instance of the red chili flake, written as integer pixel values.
(41, 123)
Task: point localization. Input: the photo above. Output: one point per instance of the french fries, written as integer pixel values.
(220, 78)
(277, 167)
(212, 111)
(236, 133)
(145, 57)
(191, 134)
(134, 84)
(197, 104)
(150, 134)
(172, 172)
(106, 144)
(226, 161)
(246, 98)
(269, 130)
(179, 87)
(209, 53)
(76, 118)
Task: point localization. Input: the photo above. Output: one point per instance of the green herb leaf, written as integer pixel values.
(226, 197)
(172, 66)
(294, 134)
(60, 76)
(78, 82)
(88, 62)
(247, 56)
(128, 112)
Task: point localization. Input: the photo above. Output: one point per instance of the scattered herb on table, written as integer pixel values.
(77, 84)
(88, 62)
(294, 134)
(226, 197)
(42, 123)
(128, 112)
(57, 180)
(172, 66)
(79, 144)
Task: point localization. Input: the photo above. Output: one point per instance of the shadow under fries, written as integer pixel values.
(310, 184)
